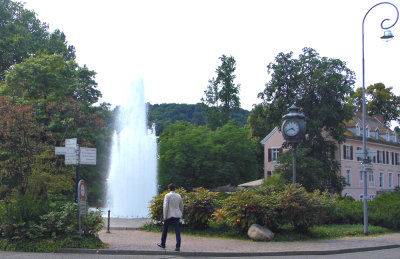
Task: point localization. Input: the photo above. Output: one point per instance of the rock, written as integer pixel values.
(259, 233)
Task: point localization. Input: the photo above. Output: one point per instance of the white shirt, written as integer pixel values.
(173, 205)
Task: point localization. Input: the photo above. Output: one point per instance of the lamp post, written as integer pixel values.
(387, 36)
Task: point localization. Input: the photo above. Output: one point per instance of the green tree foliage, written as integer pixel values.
(222, 94)
(380, 101)
(198, 157)
(168, 113)
(319, 86)
(22, 35)
(260, 125)
(47, 98)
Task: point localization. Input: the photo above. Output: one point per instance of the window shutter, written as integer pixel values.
(280, 150)
(351, 152)
(396, 160)
(377, 156)
(269, 155)
(387, 157)
(383, 158)
(344, 151)
(393, 158)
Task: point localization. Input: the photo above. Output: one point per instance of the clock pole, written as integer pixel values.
(293, 130)
(294, 162)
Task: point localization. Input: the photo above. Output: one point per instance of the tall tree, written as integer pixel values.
(380, 101)
(199, 157)
(22, 35)
(222, 94)
(319, 86)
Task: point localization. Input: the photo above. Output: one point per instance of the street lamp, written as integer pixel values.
(387, 36)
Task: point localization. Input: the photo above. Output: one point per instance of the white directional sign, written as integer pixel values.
(71, 158)
(71, 142)
(75, 155)
(87, 156)
(64, 150)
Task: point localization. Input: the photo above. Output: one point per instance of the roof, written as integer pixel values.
(255, 183)
(268, 136)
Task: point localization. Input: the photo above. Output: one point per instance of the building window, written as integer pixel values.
(389, 158)
(273, 154)
(348, 177)
(359, 158)
(381, 181)
(361, 197)
(390, 180)
(358, 131)
(367, 131)
(396, 158)
(348, 152)
(394, 137)
(380, 155)
(377, 134)
(387, 136)
(371, 177)
(371, 197)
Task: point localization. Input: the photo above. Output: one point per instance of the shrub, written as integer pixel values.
(345, 211)
(300, 208)
(20, 219)
(27, 219)
(384, 210)
(273, 207)
(244, 208)
(199, 206)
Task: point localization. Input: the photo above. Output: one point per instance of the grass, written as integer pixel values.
(287, 234)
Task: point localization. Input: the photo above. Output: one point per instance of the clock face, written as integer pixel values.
(291, 128)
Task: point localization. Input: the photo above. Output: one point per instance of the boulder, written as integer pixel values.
(260, 233)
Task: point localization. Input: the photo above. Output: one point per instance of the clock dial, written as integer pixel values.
(291, 128)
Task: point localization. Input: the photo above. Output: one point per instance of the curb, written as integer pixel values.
(223, 254)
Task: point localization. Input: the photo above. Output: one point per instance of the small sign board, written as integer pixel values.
(71, 142)
(71, 158)
(87, 156)
(64, 150)
(82, 198)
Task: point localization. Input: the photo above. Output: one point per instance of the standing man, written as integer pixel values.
(172, 212)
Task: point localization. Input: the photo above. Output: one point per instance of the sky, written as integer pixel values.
(175, 45)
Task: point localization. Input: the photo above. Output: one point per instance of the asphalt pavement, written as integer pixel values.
(125, 239)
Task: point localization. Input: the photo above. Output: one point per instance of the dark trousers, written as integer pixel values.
(175, 222)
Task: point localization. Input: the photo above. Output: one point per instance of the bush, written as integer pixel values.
(384, 210)
(345, 211)
(274, 208)
(30, 220)
(199, 207)
(299, 208)
(20, 219)
(247, 207)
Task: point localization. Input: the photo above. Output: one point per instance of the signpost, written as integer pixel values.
(82, 203)
(74, 155)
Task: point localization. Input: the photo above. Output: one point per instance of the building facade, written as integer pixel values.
(384, 151)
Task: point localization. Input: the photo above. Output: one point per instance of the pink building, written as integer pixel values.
(383, 146)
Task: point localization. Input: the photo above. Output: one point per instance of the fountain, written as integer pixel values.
(132, 180)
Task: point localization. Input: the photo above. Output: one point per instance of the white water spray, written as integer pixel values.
(132, 179)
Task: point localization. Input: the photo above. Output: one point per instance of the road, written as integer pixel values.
(381, 254)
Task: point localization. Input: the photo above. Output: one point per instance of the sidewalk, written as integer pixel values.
(132, 241)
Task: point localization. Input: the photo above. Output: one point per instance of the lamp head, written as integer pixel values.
(387, 35)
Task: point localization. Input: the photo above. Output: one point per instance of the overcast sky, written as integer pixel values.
(174, 45)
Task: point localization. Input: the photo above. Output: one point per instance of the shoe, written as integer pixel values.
(177, 249)
(161, 245)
